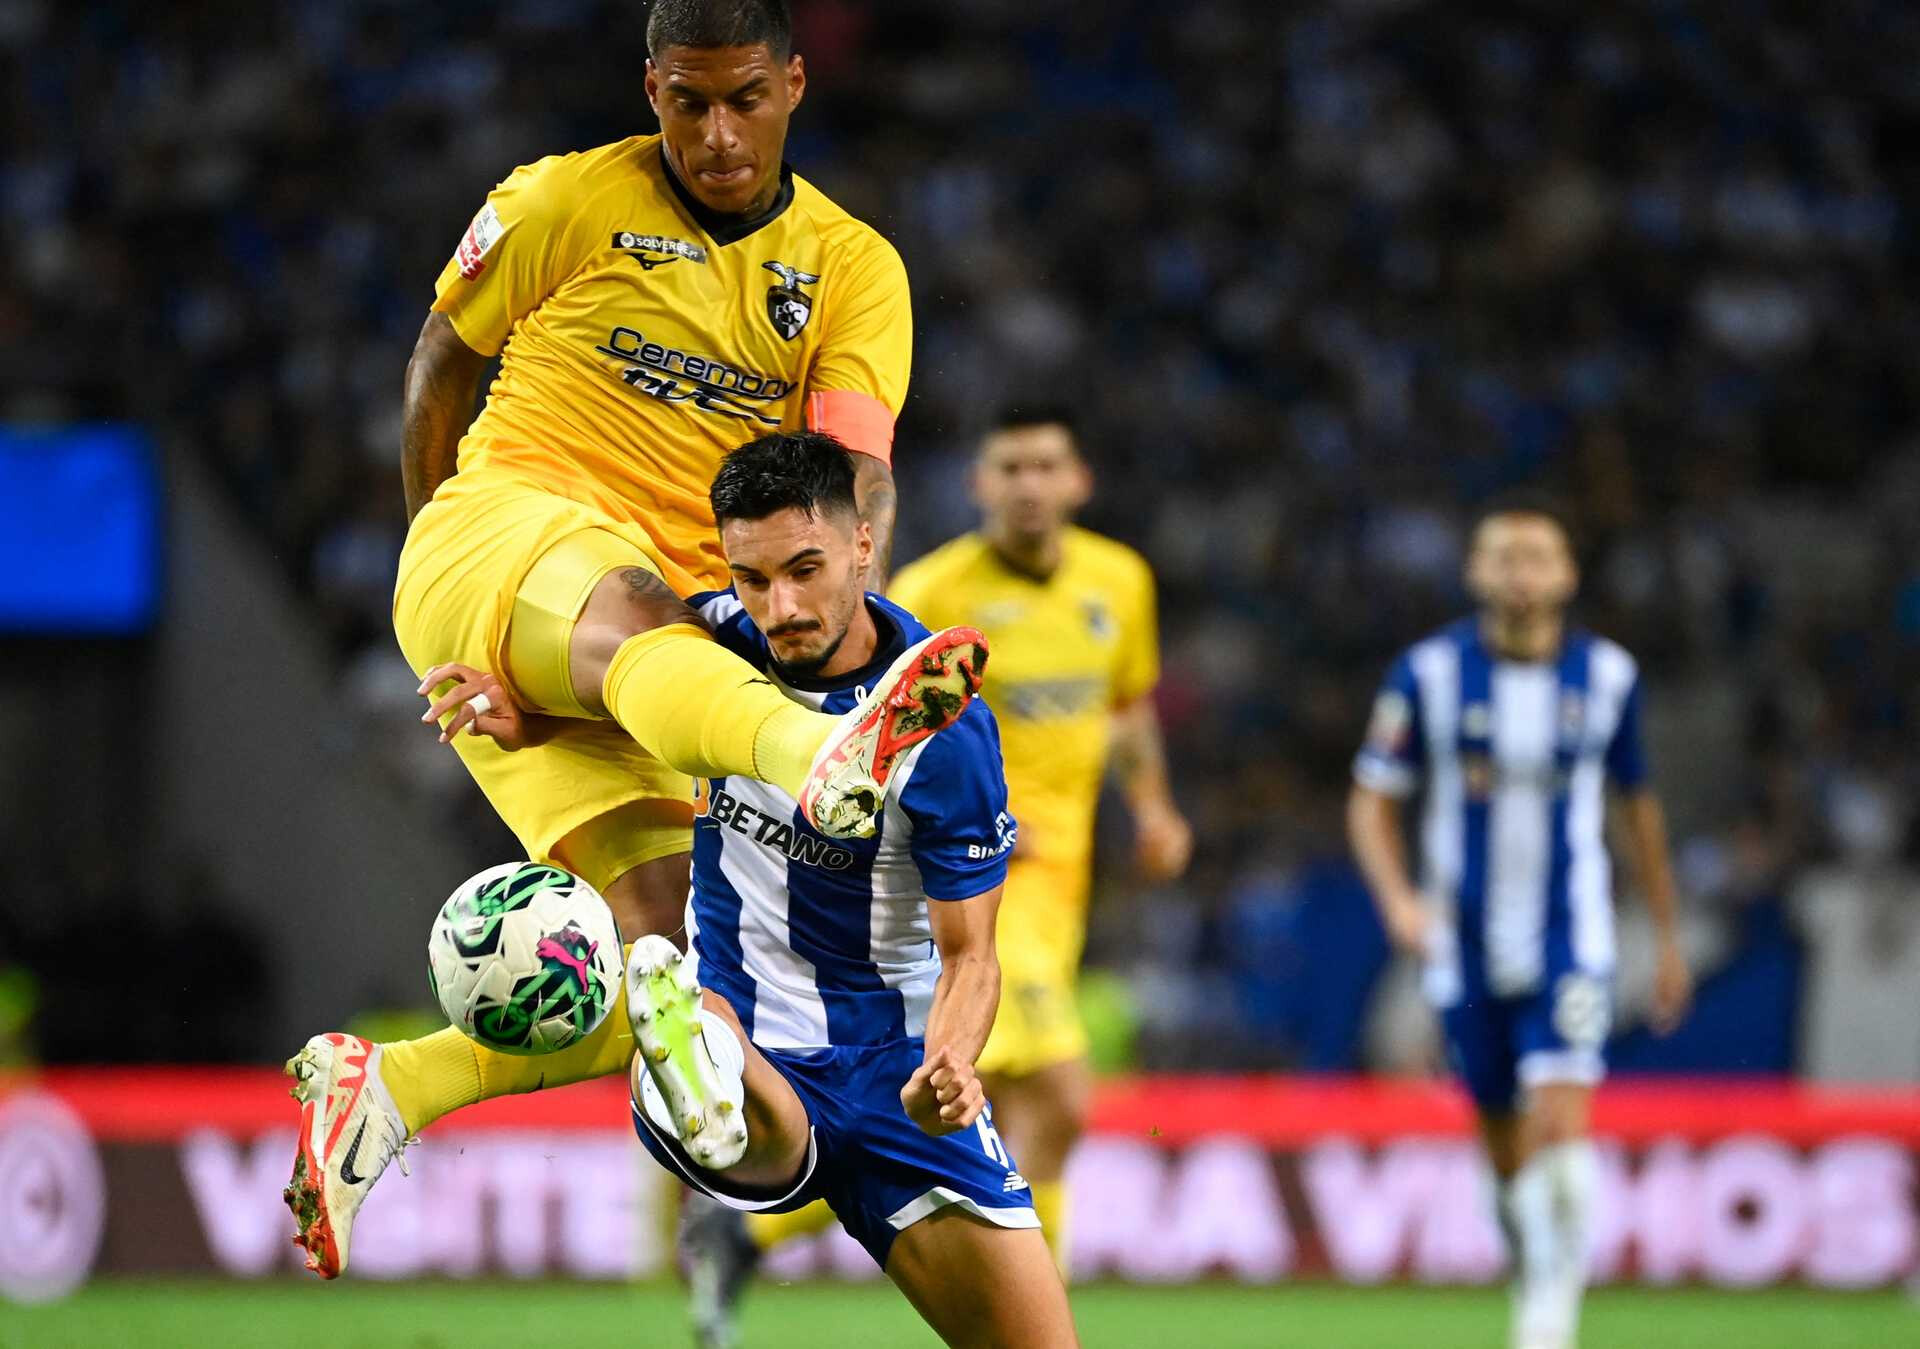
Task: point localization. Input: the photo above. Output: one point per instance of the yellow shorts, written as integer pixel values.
(468, 576)
(1041, 933)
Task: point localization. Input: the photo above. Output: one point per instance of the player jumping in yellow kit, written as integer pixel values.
(655, 302)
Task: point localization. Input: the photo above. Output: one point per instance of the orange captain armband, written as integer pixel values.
(859, 421)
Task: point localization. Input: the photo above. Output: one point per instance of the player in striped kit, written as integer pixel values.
(1513, 724)
(818, 1040)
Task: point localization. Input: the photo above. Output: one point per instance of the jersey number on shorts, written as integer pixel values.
(990, 1140)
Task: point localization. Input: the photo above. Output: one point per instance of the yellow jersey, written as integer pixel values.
(1065, 652)
(645, 336)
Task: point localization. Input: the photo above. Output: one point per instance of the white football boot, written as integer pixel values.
(349, 1130)
(687, 1071)
(922, 692)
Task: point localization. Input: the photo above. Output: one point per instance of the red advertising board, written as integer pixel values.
(1259, 1179)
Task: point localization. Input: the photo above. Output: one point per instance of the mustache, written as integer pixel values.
(793, 629)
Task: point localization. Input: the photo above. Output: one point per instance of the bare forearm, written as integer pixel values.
(1139, 756)
(964, 1003)
(437, 412)
(1646, 825)
(875, 495)
(443, 378)
(1373, 831)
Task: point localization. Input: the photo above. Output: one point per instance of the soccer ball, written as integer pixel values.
(525, 958)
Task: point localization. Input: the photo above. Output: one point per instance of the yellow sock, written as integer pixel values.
(442, 1072)
(432, 1076)
(1050, 1206)
(700, 709)
(770, 1229)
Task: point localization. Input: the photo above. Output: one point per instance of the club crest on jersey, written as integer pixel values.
(1099, 621)
(1573, 717)
(656, 250)
(789, 307)
(1476, 721)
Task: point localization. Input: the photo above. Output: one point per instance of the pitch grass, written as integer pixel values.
(363, 1315)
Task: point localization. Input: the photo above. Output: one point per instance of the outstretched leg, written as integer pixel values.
(443, 1072)
(597, 633)
(635, 653)
(360, 1101)
(703, 1083)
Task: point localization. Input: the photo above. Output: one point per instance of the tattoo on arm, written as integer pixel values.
(874, 491)
(643, 585)
(443, 379)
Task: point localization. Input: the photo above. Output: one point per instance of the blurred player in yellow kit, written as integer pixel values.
(655, 302)
(1076, 656)
(1071, 616)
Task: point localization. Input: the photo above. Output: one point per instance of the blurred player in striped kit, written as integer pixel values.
(1512, 723)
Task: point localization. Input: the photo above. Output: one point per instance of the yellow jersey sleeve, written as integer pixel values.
(521, 247)
(1138, 667)
(914, 588)
(858, 382)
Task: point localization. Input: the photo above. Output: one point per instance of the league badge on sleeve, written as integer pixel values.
(1392, 721)
(789, 307)
(481, 236)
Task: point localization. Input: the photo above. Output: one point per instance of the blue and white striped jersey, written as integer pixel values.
(1514, 759)
(816, 941)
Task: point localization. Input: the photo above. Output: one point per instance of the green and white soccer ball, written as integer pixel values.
(525, 958)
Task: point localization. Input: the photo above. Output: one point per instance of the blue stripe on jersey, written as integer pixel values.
(820, 941)
(1576, 659)
(830, 916)
(1474, 744)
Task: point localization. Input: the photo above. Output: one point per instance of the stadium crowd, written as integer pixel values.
(1318, 279)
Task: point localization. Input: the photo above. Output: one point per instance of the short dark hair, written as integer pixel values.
(1541, 505)
(720, 23)
(1018, 416)
(805, 469)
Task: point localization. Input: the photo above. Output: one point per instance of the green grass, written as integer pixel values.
(161, 1315)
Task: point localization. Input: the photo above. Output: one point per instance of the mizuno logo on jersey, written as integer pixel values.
(775, 832)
